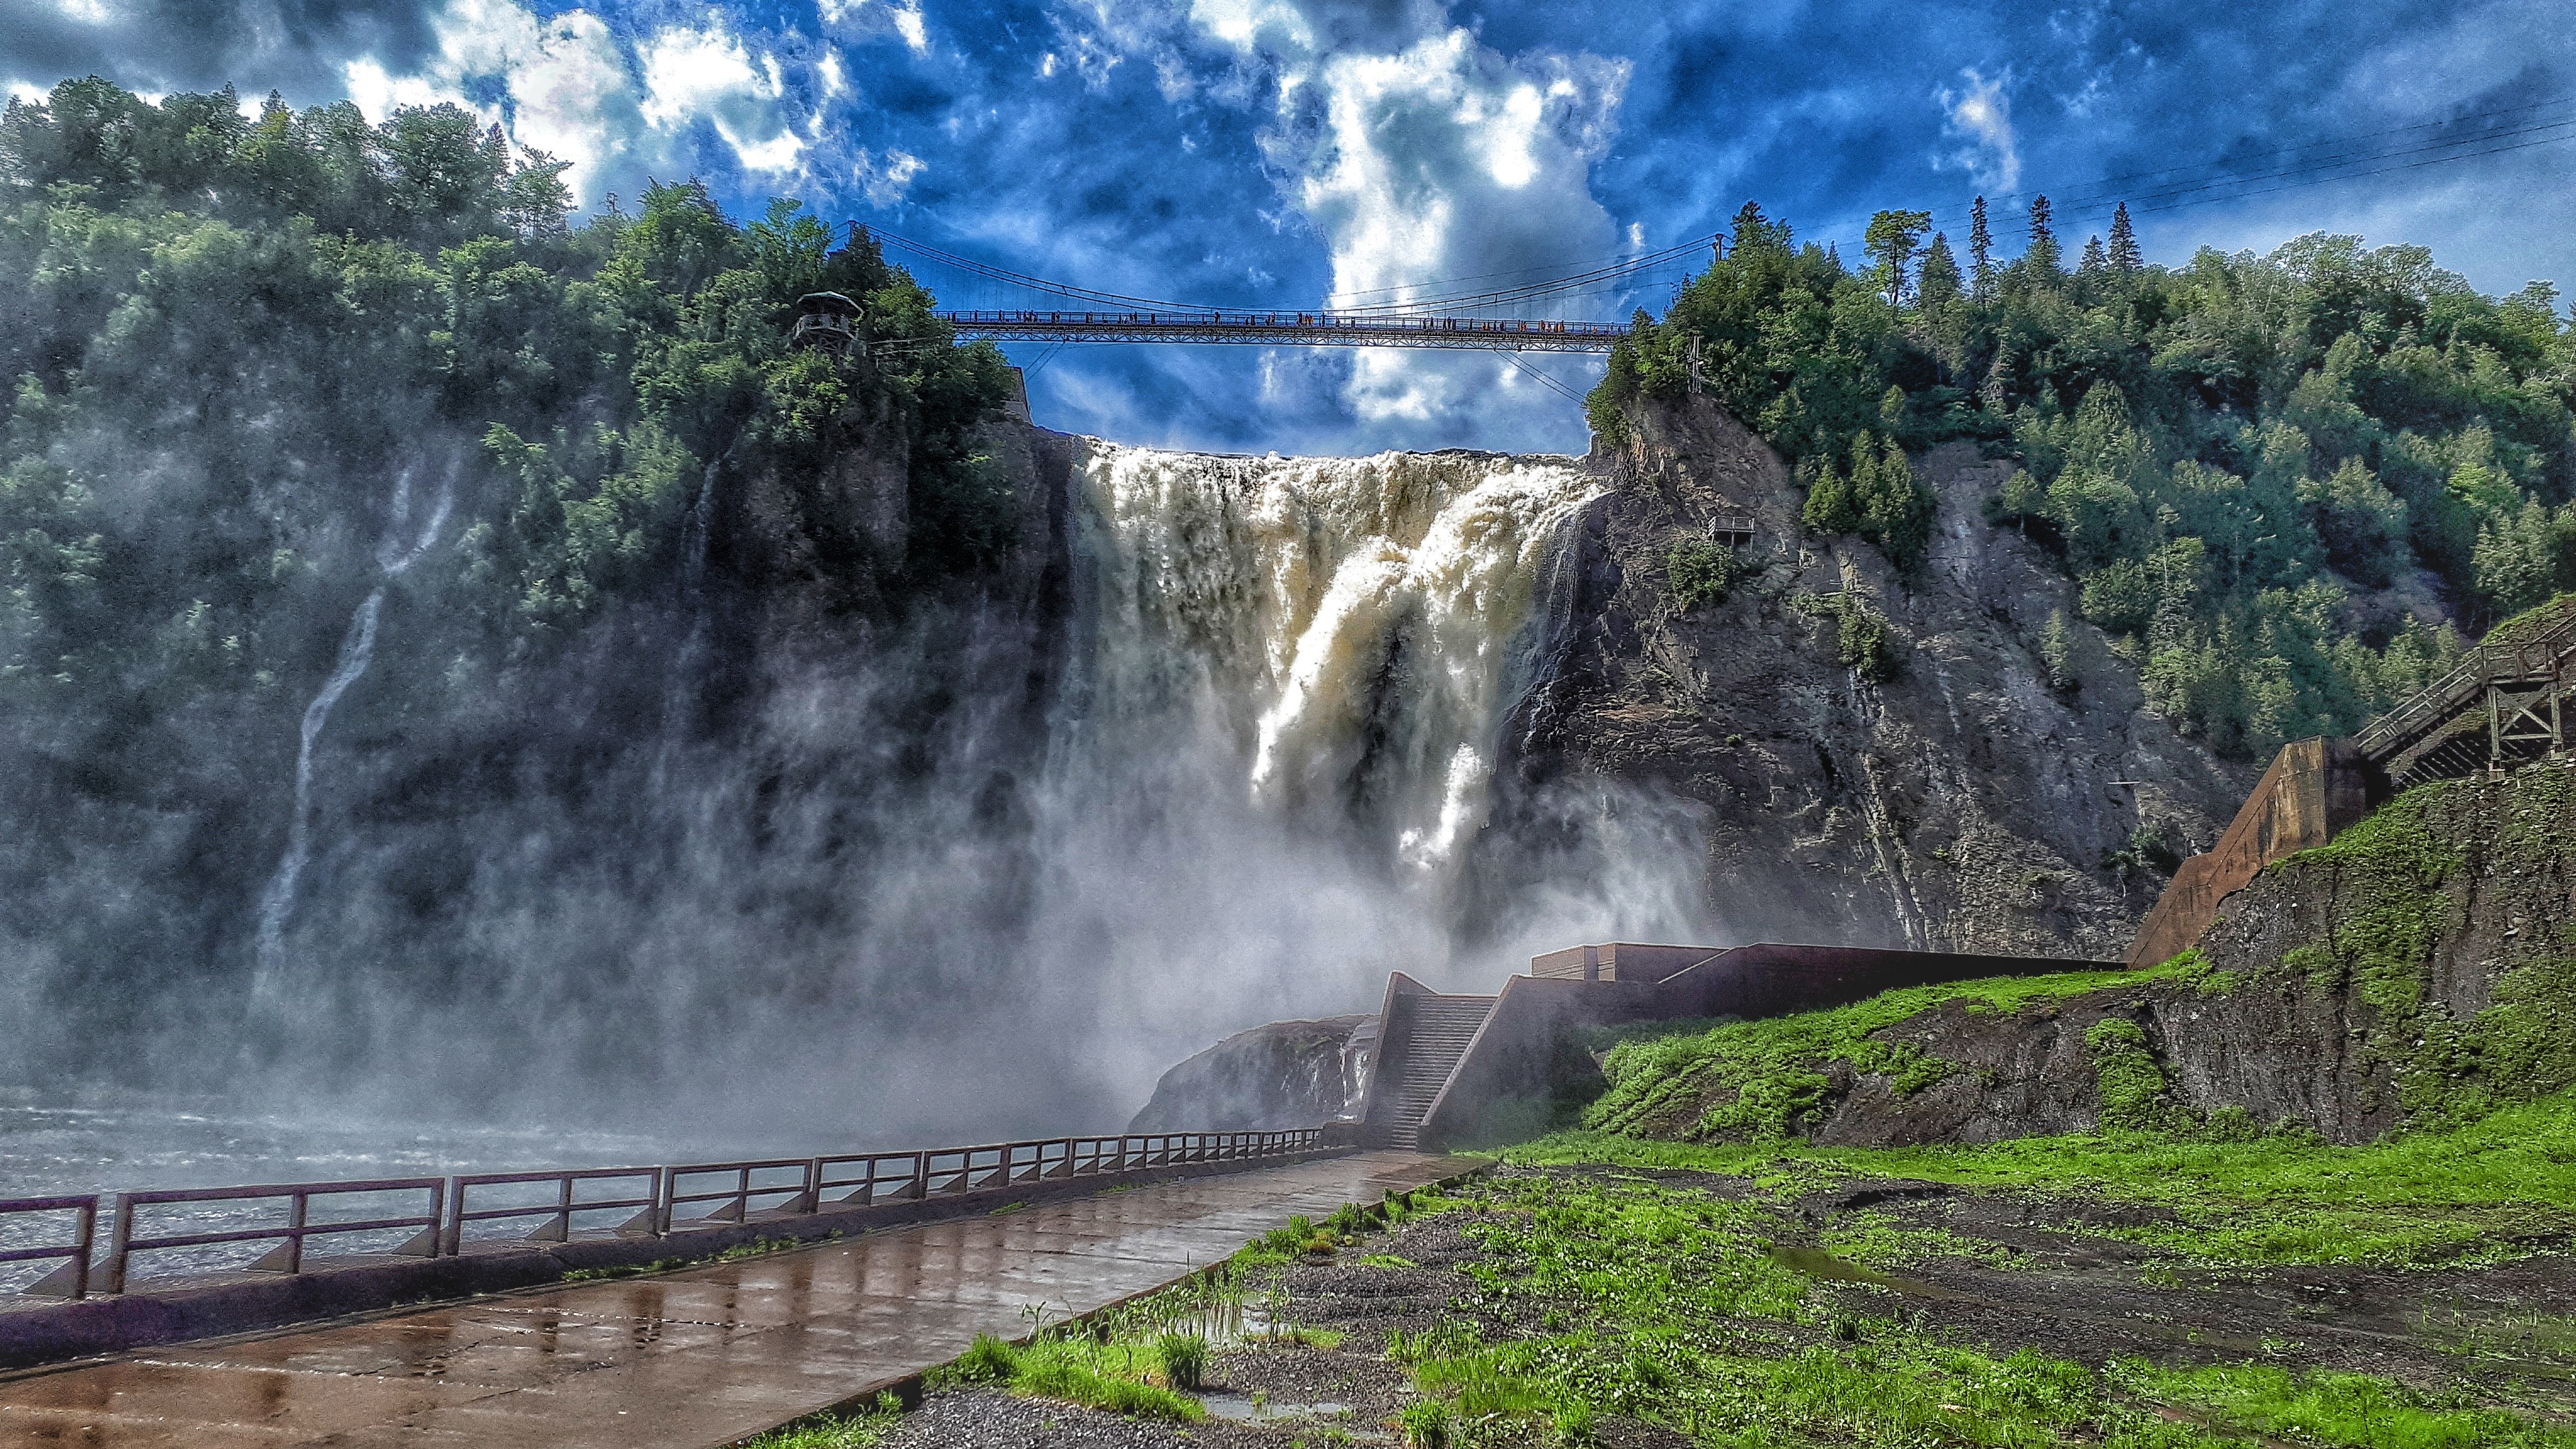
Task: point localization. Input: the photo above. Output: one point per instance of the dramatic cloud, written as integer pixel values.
(1280, 152)
(1981, 112)
(706, 72)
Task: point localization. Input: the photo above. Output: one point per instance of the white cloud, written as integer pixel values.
(907, 23)
(691, 73)
(570, 89)
(1982, 114)
(88, 12)
(377, 93)
(564, 76)
(885, 181)
(903, 17)
(1443, 159)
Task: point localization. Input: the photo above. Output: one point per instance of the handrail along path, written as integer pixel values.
(575, 1201)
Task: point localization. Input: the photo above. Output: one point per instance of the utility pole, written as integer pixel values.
(1697, 384)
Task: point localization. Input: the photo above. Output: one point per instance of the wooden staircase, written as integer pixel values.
(2504, 705)
(1422, 1047)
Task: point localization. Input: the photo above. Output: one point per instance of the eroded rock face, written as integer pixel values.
(2422, 965)
(1962, 803)
(1284, 1074)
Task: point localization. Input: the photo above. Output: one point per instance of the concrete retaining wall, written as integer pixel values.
(1512, 1057)
(2315, 790)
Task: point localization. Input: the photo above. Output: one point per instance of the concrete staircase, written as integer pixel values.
(1429, 1036)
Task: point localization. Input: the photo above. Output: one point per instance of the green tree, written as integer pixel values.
(2041, 259)
(1890, 242)
(2124, 254)
(1940, 283)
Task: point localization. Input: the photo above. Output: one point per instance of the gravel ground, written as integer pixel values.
(2070, 1290)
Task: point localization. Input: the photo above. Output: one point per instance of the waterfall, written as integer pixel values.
(1355, 627)
(396, 552)
(357, 650)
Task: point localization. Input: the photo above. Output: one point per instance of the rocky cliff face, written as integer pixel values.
(1958, 803)
(1285, 1074)
(2422, 967)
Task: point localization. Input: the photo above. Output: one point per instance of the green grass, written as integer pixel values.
(2337, 1409)
(863, 1430)
(1664, 1304)
(1115, 1374)
(2484, 1190)
(1764, 1080)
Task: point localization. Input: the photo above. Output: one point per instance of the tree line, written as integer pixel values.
(2260, 469)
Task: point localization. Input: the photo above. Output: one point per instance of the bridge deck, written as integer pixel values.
(688, 1359)
(1290, 329)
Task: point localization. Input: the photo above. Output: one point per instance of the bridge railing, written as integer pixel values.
(125, 1238)
(28, 1214)
(564, 1205)
(2542, 657)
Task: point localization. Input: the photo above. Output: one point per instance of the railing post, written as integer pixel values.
(563, 1219)
(295, 1231)
(920, 1176)
(87, 1216)
(451, 1227)
(664, 1187)
(120, 1232)
(813, 1184)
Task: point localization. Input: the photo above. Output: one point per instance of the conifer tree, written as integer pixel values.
(2124, 242)
(1981, 253)
(1829, 508)
(2093, 261)
(2043, 254)
(1940, 280)
(1890, 243)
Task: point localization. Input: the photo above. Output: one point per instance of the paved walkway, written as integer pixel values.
(687, 1360)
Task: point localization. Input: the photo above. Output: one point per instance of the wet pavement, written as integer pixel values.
(690, 1359)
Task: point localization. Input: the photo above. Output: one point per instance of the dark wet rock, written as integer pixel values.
(1961, 804)
(1285, 1074)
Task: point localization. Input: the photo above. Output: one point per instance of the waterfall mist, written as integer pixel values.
(986, 870)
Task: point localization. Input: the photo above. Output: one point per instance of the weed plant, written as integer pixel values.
(863, 1430)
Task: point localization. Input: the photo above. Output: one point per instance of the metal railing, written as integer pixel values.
(2540, 659)
(72, 1279)
(1291, 328)
(652, 1198)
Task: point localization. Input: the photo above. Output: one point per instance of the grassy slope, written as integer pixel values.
(2391, 892)
(1766, 1075)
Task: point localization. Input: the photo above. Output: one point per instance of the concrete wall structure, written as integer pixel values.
(1619, 961)
(2315, 790)
(1513, 1056)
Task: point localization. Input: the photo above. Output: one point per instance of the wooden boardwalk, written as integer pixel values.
(691, 1359)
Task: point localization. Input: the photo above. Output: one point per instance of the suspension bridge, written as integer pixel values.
(1289, 329)
(1504, 312)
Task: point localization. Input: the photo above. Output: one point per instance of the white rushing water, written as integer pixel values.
(1260, 789)
(398, 549)
(1356, 627)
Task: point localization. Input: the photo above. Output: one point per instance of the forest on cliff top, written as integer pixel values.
(2280, 479)
(226, 336)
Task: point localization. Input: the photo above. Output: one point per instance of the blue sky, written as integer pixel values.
(1269, 152)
